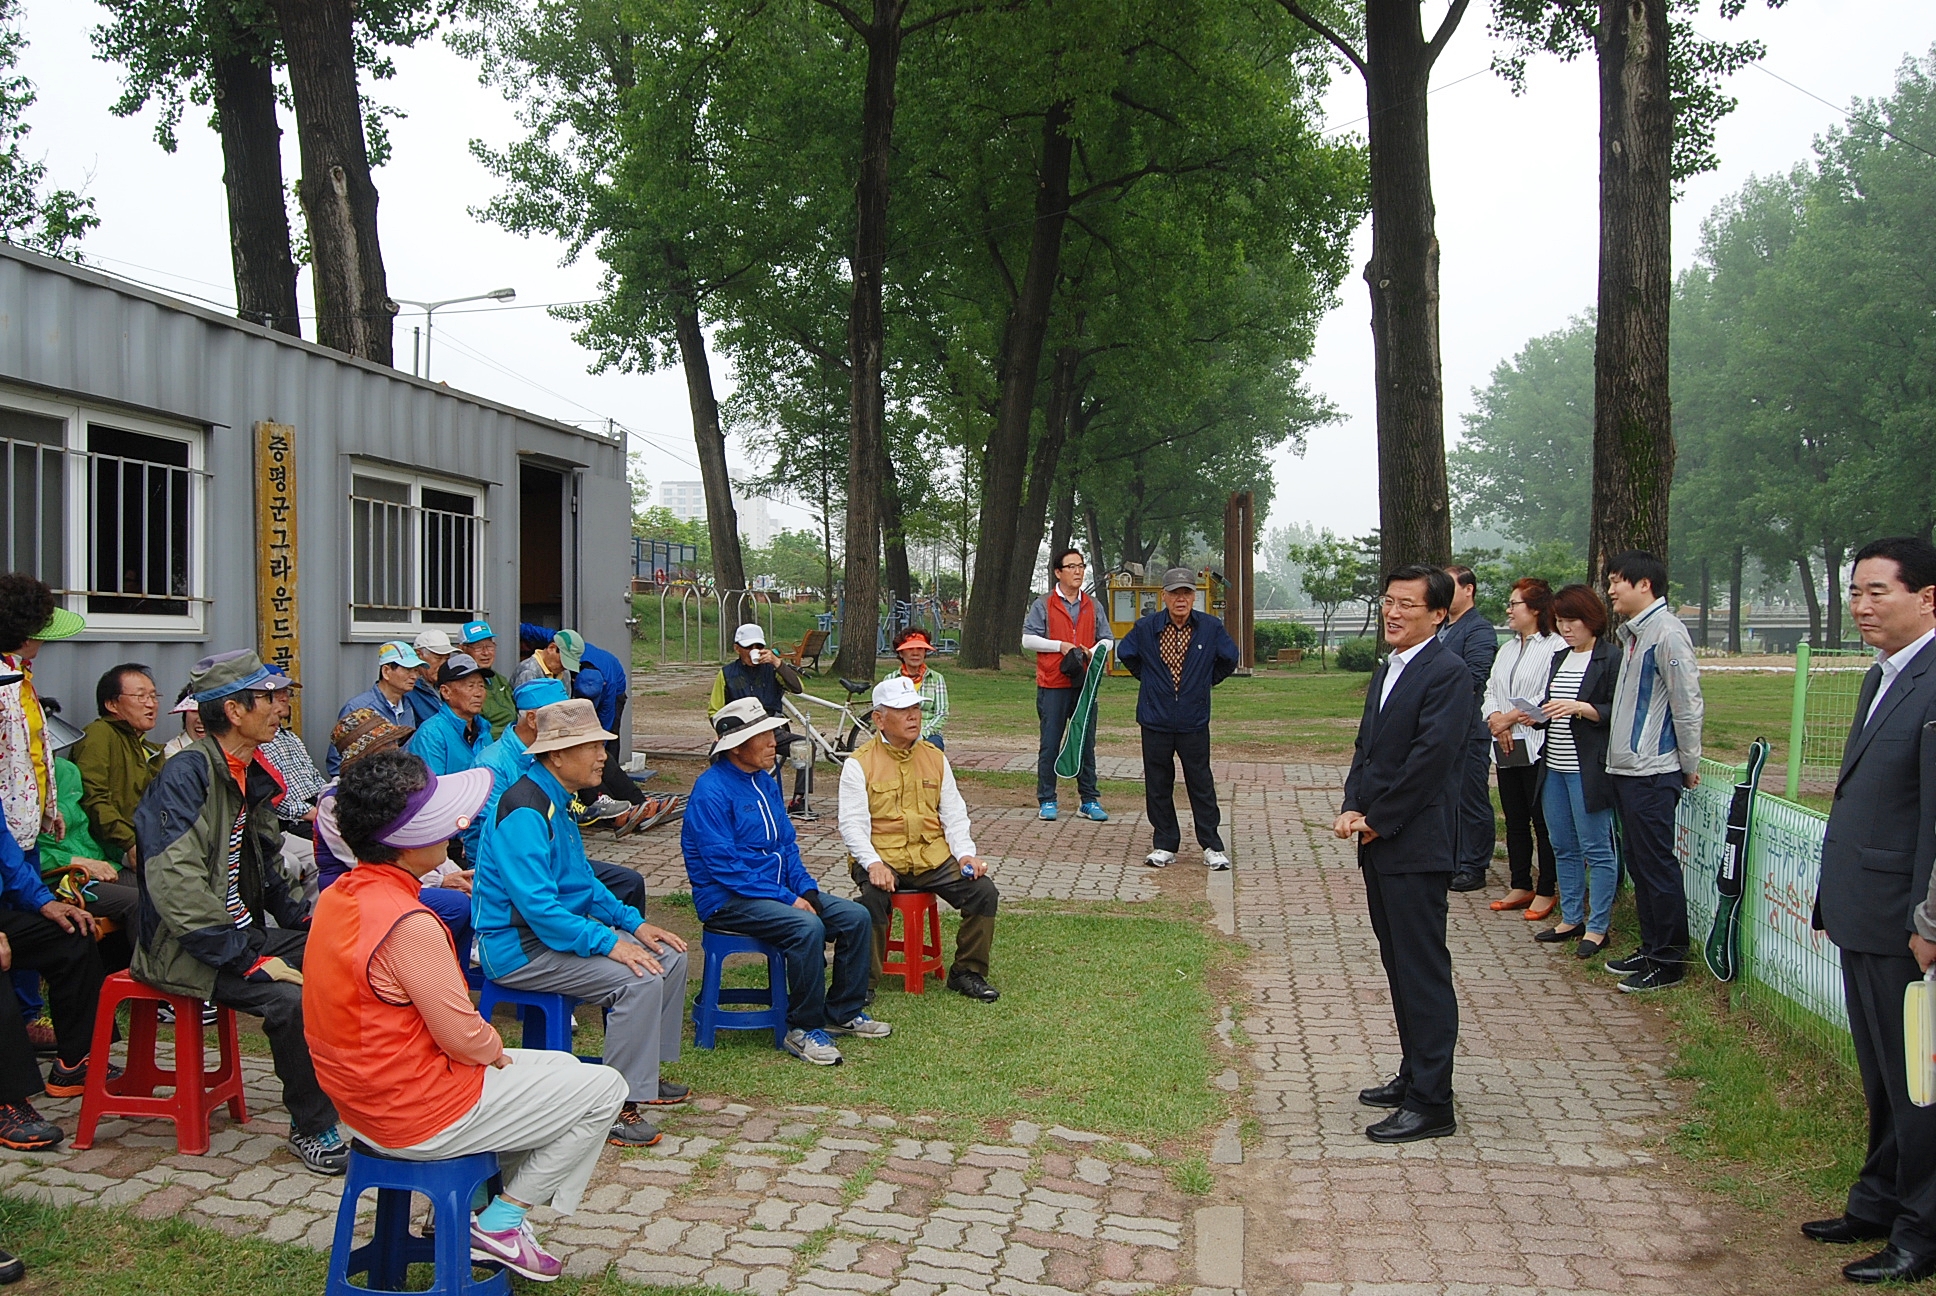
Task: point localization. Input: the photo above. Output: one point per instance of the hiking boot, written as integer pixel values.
(813, 1046)
(1216, 861)
(25, 1130)
(974, 985)
(632, 1129)
(323, 1152)
(862, 1025)
(71, 1081)
(1093, 810)
(1048, 810)
(670, 1095)
(1160, 858)
(517, 1250)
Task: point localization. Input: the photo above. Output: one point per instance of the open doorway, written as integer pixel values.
(541, 546)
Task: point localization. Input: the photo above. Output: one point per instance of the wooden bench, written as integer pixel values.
(811, 645)
(1289, 656)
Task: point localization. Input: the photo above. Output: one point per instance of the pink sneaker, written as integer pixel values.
(517, 1250)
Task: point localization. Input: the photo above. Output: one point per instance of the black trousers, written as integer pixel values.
(20, 1077)
(1897, 1183)
(1161, 752)
(279, 1005)
(72, 967)
(627, 884)
(1408, 915)
(1646, 804)
(1525, 822)
(1476, 833)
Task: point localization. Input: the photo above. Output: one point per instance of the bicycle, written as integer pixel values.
(851, 727)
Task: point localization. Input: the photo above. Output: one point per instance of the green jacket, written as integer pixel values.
(182, 826)
(116, 766)
(500, 708)
(59, 852)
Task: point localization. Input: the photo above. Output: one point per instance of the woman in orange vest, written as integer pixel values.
(413, 1070)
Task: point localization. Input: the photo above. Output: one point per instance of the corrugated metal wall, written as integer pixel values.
(67, 333)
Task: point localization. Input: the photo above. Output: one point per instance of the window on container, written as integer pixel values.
(33, 487)
(139, 523)
(382, 549)
(450, 552)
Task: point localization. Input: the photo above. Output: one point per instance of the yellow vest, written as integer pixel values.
(904, 801)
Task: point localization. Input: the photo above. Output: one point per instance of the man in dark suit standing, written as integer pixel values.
(1401, 799)
(1875, 870)
(1476, 642)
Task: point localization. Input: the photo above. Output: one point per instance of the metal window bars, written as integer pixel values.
(411, 563)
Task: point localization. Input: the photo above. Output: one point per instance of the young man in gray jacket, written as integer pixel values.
(1653, 753)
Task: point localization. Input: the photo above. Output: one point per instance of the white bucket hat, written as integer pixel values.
(737, 721)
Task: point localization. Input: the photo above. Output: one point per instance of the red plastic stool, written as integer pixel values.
(197, 1093)
(917, 952)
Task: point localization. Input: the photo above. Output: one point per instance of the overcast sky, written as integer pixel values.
(1514, 179)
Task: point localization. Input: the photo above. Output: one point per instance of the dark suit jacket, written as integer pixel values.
(1473, 639)
(1877, 850)
(1590, 736)
(1409, 760)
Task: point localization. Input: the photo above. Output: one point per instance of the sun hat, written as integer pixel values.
(896, 693)
(397, 653)
(915, 639)
(434, 641)
(1177, 578)
(750, 636)
(477, 632)
(459, 665)
(62, 625)
(438, 811)
(366, 730)
(737, 721)
(571, 649)
(226, 674)
(532, 694)
(567, 724)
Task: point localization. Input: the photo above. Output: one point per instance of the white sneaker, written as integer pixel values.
(1216, 860)
(812, 1046)
(1160, 858)
(862, 1025)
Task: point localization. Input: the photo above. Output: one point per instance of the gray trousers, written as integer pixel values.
(644, 1014)
(545, 1115)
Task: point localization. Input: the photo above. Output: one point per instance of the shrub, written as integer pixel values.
(1358, 655)
(1269, 636)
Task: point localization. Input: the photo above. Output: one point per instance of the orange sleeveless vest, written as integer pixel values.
(375, 1059)
(1081, 630)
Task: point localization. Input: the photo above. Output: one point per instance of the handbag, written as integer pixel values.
(1513, 755)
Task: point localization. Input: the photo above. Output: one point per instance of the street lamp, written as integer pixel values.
(430, 309)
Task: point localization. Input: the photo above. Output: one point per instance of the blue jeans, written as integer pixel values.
(1054, 707)
(1582, 850)
(803, 937)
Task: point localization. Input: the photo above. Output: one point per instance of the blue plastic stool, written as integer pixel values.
(450, 1186)
(708, 1014)
(545, 1017)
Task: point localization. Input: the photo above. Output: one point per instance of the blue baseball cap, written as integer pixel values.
(477, 632)
(397, 653)
(536, 693)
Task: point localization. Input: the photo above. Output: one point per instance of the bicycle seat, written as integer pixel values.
(856, 686)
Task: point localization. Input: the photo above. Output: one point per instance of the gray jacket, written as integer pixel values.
(1657, 704)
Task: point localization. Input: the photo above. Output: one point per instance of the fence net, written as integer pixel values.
(1834, 684)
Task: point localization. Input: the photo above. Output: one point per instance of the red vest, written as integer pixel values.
(1048, 666)
(375, 1059)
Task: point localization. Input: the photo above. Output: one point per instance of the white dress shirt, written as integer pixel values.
(857, 824)
(1395, 666)
(1522, 669)
(1891, 667)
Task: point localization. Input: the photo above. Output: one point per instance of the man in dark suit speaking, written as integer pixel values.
(1402, 800)
(1875, 870)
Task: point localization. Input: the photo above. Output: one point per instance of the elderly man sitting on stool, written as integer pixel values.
(906, 826)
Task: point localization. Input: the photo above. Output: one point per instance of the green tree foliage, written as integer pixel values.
(1333, 572)
(795, 560)
(1523, 467)
(31, 214)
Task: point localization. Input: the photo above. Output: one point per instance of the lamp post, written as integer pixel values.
(431, 308)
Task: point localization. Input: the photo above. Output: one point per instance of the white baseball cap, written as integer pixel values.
(750, 636)
(896, 693)
(435, 641)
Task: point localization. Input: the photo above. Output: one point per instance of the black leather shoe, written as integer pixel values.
(1389, 1094)
(1556, 935)
(1408, 1126)
(1467, 880)
(12, 1268)
(974, 985)
(1845, 1228)
(1891, 1264)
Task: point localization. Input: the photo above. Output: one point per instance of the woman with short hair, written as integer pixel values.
(1520, 671)
(1578, 795)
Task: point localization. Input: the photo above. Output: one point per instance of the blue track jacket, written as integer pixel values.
(20, 883)
(440, 741)
(535, 882)
(738, 841)
(601, 679)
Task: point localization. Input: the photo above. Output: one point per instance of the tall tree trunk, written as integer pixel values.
(1098, 565)
(259, 245)
(354, 312)
(1041, 484)
(722, 519)
(1707, 599)
(1814, 602)
(986, 626)
(1633, 433)
(1832, 590)
(900, 580)
(1734, 598)
(861, 613)
(1062, 522)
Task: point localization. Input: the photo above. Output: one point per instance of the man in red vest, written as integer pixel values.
(1060, 622)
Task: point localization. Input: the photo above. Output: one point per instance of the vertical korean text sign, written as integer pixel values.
(278, 626)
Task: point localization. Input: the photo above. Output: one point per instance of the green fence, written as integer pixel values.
(1828, 682)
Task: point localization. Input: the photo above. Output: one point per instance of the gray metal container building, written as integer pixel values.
(128, 479)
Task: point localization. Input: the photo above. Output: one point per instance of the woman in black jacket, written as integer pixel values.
(1578, 797)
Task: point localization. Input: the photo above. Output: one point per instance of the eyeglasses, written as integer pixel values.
(1403, 605)
(148, 696)
(1513, 603)
(1071, 566)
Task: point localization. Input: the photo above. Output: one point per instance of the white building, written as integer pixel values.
(686, 500)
